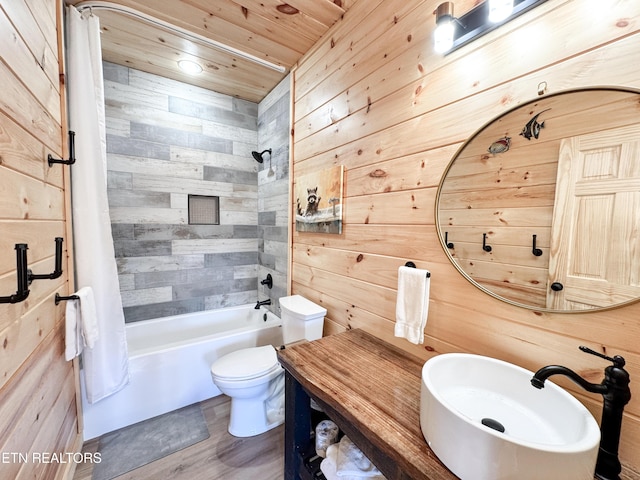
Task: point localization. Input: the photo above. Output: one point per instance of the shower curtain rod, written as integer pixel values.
(99, 5)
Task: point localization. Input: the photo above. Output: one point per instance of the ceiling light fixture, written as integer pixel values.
(452, 33)
(190, 67)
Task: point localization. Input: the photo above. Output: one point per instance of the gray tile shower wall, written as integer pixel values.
(274, 129)
(166, 140)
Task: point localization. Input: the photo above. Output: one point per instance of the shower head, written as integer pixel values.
(258, 156)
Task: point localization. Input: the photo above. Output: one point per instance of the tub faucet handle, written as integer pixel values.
(267, 281)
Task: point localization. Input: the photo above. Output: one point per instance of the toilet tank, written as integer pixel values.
(301, 319)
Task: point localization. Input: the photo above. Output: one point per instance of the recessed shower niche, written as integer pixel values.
(204, 210)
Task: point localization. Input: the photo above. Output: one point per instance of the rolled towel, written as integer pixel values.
(328, 465)
(351, 462)
(326, 434)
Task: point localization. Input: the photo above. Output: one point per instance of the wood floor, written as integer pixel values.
(221, 456)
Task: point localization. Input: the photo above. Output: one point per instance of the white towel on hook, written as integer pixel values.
(81, 323)
(412, 304)
(72, 337)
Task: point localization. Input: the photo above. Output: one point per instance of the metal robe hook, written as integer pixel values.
(485, 247)
(22, 273)
(57, 271)
(542, 88)
(446, 240)
(72, 152)
(536, 251)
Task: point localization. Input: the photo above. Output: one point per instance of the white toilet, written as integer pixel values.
(254, 379)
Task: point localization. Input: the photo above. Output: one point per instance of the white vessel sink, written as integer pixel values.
(547, 433)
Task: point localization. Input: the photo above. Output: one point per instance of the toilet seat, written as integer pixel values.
(246, 364)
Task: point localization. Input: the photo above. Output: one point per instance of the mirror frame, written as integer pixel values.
(455, 157)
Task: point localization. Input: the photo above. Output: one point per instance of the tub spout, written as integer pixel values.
(260, 303)
(616, 393)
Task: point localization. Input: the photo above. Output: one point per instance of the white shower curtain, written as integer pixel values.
(105, 366)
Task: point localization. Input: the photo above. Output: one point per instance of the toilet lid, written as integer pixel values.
(245, 363)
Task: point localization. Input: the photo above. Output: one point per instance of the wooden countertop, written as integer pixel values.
(372, 391)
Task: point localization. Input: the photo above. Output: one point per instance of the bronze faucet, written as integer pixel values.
(616, 393)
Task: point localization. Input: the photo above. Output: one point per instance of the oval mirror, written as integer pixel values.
(541, 206)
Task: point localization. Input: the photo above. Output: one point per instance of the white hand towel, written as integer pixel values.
(73, 346)
(81, 323)
(351, 462)
(89, 317)
(412, 304)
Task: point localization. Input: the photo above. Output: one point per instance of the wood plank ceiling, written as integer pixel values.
(135, 33)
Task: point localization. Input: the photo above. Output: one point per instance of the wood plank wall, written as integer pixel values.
(38, 413)
(374, 97)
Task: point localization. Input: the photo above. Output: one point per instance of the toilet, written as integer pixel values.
(253, 378)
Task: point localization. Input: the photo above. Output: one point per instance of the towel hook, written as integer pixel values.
(22, 291)
(72, 152)
(485, 247)
(57, 271)
(536, 251)
(59, 298)
(446, 240)
(26, 276)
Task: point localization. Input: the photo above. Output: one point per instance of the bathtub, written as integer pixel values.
(169, 361)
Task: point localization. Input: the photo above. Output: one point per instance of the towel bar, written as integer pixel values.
(70, 297)
(413, 265)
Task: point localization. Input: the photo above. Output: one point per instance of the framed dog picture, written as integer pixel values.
(318, 201)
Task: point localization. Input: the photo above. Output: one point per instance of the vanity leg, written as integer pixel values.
(297, 427)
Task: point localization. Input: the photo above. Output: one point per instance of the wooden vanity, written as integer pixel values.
(371, 390)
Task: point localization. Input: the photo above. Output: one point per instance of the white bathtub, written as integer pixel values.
(169, 361)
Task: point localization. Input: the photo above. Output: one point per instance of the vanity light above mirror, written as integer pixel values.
(541, 206)
(452, 32)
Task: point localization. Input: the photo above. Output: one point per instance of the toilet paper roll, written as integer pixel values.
(326, 434)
